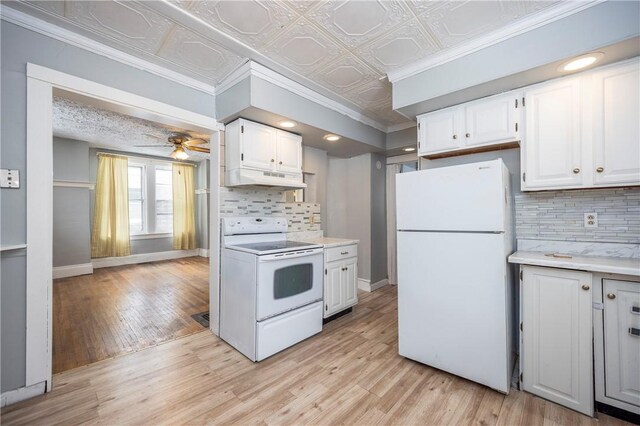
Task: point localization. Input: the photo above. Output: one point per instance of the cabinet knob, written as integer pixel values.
(272, 160)
(576, 170)
(585, 287)
(344, 252)
(611, 296)
(600, 169)
(468, 135)
(455, 136)
(280, 162)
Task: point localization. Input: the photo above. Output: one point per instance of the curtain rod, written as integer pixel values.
(146, 158)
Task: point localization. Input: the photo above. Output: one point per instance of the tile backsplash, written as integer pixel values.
(301, 217)
(559, 215)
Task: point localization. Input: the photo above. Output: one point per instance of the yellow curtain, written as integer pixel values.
(110, 234)
(184, 216)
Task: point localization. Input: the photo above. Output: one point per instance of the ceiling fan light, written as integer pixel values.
(179, 154)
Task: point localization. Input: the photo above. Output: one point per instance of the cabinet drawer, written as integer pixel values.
(342, 252)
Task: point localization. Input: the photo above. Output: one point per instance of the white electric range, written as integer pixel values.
(270, 288)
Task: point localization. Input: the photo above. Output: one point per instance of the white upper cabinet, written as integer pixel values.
(552, 154)
(440, 130)
(616, 133)
(288, 152)
(257, 145)
(492, 120)
(582, 131)
(485, 122)
(256, 154)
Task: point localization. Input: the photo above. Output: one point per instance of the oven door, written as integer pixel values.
(288, 280)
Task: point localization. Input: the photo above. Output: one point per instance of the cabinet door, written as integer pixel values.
(333, 289)
(552, 144)
(492, 120)
(616, 134)
(289, 152)
(441, 130)
(258, 150)
(557, 348)
(621, 340)
(350, 282)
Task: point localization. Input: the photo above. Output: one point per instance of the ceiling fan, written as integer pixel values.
(182, 143)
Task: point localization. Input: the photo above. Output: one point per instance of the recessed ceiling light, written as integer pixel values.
(331, 138)
(409, 149)
(581, 62)
(288, 124)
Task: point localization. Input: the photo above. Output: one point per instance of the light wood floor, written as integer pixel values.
(124, 309)
(349, 374)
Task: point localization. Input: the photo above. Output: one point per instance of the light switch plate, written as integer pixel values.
(9, 178)
(591, 220)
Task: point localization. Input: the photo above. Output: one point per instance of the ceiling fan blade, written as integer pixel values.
(196, 141)
(153, 146)
(197, 149)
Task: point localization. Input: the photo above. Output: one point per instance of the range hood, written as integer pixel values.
(277, 180)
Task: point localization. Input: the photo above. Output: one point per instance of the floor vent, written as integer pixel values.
(202, 318)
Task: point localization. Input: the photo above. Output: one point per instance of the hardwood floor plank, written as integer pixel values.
(120, 310)
(349, 374)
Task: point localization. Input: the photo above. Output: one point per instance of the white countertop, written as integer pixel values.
(612, 265)
(332, 242)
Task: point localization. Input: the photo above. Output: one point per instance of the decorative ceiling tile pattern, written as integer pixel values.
(110, 130)
(198, 54)
(303, 48)
(344, 46)
(128, 22)
(356, 22)
(252, 22)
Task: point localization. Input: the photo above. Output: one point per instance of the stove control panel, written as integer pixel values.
(253, 225)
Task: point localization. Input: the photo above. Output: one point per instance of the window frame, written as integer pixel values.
(149, 197)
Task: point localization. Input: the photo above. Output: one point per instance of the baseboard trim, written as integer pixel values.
(203, 252)
(20, 394)
(367, 286)
(72, 270)
(107, 262)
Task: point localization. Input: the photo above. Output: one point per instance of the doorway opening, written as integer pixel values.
(107, 305)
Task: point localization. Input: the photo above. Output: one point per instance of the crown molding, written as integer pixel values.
(48, 29)
(401, 126)
(524, 25)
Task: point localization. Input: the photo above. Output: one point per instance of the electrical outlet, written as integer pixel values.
(591, 220)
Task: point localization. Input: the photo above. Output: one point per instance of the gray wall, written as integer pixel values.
(356, 206)
(19, 46)
(378, 218)
(71, 235)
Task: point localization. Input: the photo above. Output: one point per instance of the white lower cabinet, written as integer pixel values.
(622, 341)
(556, 344)
(340, 279)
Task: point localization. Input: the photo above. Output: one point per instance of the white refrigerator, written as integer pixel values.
(455, 286)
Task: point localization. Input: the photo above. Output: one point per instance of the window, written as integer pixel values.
(164, 200)
(150, 197)
(136, 200)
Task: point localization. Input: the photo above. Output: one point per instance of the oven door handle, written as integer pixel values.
(290, 255)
